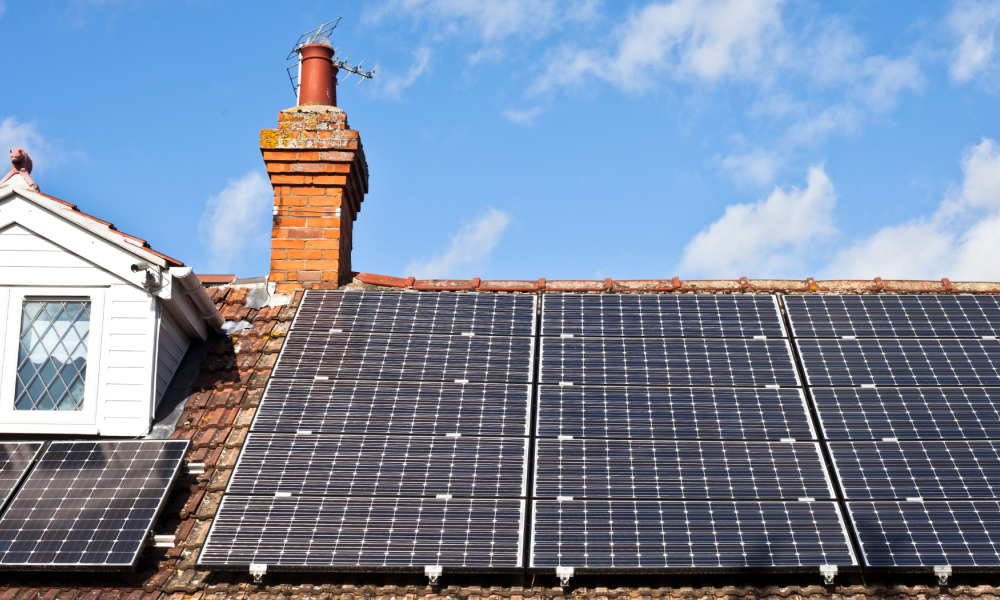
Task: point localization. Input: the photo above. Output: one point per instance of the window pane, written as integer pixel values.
(52, 357)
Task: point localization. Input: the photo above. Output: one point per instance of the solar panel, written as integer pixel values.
(679, 470)
(663, 535)
(917, 469)
(416, 312)
(908, 413)
(662, 315)
(669, 413)
(928, 534)
(89, 505)
(900, 362)
(318, 532)
(15, 460)
(667, 361)
(891, 316)
(390, 407)
(376, 465)
(405, 357)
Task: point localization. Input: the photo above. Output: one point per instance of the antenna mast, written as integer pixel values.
(321, 35)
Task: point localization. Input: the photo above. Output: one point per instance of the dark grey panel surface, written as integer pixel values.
(89, 504)
(667, 361)
(417, 312)
(672, 412)
(15, 460)
(663, 535)
(908, 413)
(900, 362)
(667, 470)
(392, 407)
(951, 469)
(405, 357)
(893, 316)
(928, 534)
(365, 532)
(375, 465)
(662, 315)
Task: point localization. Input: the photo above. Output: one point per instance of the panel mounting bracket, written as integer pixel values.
(564, 574)
(258, 571)
(432, 573)
(828, 572)
(942, 574)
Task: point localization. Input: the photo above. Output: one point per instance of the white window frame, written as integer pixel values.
(8, 356)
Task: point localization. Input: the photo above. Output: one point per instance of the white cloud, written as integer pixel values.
(522, 117)
(974, 23)
(394, 85)
(770, 238)
(961, 240)
(235, 220)
(3, 7)
(470, 247)
(757, 166)
(15, 134)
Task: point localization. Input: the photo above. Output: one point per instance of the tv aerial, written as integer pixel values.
(321, 35)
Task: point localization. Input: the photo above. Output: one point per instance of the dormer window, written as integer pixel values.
(52, 354)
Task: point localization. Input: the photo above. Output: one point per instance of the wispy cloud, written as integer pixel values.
(3, 7)
(17, 134)
(235, 220)
(757, 166)
(974, 23)
(522, 117)
(470, 247)
(393, 85)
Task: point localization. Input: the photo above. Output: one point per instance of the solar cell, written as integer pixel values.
(416, 312)
(665, 413)
(391, 407)
(374, 465)
(900, 362)
(667, 361)
(405, 357)
(908, 413)
(664, 535)
(917, 469)
(893, 316)
(649, 469)
(15, 460)
(928, 534)
(89, 505)
(662, 315)
(319, 532)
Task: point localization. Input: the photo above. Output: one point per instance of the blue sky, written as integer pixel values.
(539, 138)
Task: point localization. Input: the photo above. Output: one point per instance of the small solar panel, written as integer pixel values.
(892, 316)
(15, 460)
(908, 413)
(663, 535)
(662, 315)
(405, 357)
(667, 361)
(392, 407)
(317, 532)
(672, 412)
(951, 469)
(900, 362)
(375, 465)
(652, 469)
(89, 505)
(928, 534)
(416, 312)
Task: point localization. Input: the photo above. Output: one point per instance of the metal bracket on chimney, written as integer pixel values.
(258, 571)
(564, 574)
(942, 574)
(828, 572)
(432, 573)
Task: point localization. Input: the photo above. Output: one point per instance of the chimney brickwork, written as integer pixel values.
(320, 177)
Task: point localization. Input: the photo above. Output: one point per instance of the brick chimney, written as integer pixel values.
(320, 177)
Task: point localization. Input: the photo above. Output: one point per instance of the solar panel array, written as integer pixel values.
(901, 385)
(394, 434)
(679, 439)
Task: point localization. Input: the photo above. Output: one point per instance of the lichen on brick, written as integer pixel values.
(269, 138)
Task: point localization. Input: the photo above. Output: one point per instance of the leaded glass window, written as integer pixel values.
(52, 355)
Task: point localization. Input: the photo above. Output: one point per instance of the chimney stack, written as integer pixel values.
(320, 177)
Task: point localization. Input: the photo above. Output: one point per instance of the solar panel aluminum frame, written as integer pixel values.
(774, 299)
(524, 465)
(105, 567)
(24, 473)
(855, 567)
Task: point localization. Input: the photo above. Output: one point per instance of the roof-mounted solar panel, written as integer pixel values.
(15, 460)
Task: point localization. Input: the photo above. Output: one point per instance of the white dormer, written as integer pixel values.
(93, 322)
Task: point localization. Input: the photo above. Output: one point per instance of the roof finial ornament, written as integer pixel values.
(20, 165)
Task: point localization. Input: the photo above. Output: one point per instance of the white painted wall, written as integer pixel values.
(171, 346)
